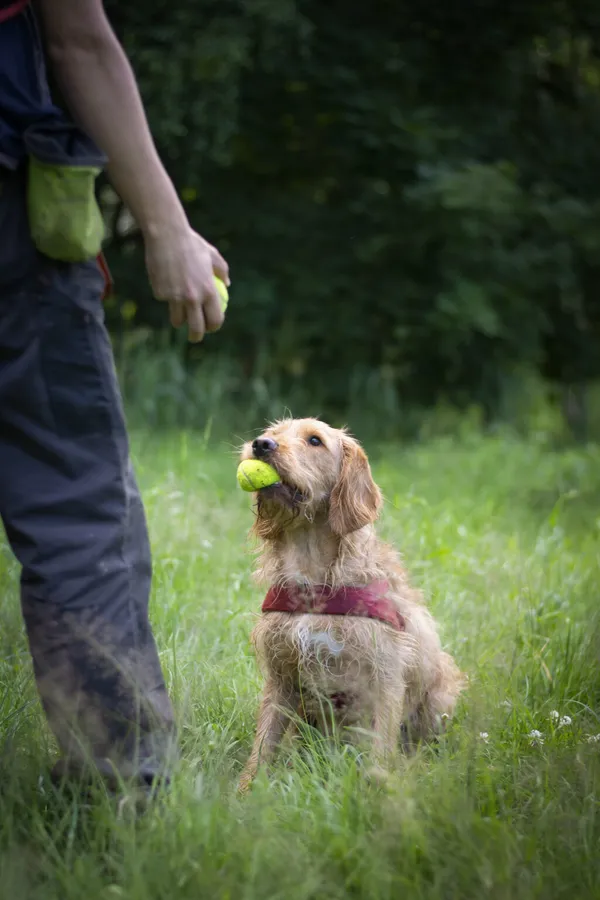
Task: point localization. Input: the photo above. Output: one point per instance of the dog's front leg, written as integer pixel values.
(387, 721)
(278, 704)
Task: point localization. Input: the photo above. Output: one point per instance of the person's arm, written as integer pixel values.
(100, 89)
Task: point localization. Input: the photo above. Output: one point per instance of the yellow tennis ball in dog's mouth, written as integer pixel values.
(222, 292)
(254, 475)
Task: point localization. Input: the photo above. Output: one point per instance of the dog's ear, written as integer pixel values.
(355, 500)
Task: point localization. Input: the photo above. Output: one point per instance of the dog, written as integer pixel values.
(344, 641)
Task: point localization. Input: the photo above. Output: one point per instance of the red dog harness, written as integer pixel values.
(9, 10)
(370, 601)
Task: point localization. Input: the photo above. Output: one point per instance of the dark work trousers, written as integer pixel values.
(72, 511)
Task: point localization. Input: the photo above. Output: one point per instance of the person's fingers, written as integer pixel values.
(213, 309)
(219, 266)
(177, 313)
(195, 320)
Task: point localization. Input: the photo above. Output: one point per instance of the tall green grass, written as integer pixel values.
(503, 536)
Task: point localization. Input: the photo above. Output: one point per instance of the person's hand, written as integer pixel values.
(181, 268)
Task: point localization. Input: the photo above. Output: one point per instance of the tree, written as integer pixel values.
(401, 188)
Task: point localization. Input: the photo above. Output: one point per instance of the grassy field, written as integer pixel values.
(504, 537)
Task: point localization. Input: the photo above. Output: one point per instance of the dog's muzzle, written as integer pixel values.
(263, 447)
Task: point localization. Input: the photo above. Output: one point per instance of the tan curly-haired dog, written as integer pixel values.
(343, 639)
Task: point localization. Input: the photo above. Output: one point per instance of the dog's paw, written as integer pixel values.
(377, 776)
(244, 785)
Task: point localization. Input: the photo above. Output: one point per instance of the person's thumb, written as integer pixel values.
(219, 266)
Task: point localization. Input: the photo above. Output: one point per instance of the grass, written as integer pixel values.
(503, 536)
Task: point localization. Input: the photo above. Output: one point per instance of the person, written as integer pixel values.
(69, 501)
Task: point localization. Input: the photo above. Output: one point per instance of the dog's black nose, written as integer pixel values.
(263, 446)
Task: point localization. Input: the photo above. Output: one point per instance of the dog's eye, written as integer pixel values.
(314, 441)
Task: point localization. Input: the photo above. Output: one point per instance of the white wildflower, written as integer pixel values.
(564, 720)
(484, 736)
(593, 738)
(555, 714)
(536, 737)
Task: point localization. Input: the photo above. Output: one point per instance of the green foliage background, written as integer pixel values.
(407, 193)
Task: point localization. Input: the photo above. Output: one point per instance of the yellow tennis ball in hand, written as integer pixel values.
(222, 292)
(253, 475)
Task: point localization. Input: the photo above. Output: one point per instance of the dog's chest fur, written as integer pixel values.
(331, 661)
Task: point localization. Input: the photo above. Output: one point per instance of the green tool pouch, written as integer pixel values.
(64, 217)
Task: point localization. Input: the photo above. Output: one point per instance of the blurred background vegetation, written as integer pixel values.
(408, 195)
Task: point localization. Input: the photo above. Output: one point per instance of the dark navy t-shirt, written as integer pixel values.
(24, 95)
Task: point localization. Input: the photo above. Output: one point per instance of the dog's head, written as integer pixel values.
(325, 476)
